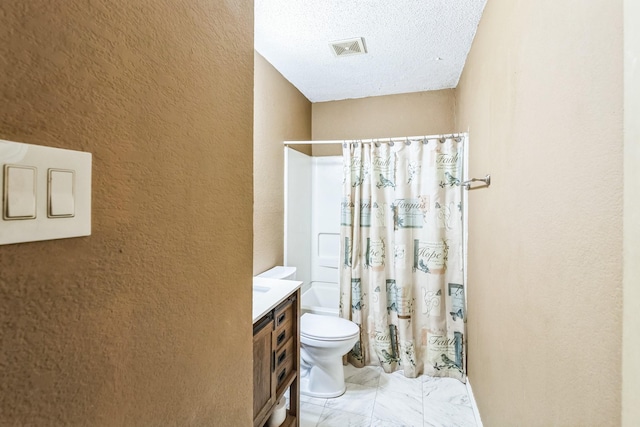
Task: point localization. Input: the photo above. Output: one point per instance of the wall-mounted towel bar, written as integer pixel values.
(486, 180)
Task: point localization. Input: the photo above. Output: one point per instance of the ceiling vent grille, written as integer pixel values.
(348, 47)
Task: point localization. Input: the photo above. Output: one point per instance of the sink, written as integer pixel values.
(261, 289)
(267, 293)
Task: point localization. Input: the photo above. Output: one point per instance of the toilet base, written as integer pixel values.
(304, 389)
(324, 379)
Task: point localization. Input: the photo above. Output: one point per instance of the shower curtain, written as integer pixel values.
(401, 276)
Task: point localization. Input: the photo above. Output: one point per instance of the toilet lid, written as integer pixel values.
(327, 328)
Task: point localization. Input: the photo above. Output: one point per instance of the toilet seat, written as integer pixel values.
(327, 328)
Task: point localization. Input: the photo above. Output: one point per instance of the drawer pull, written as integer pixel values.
(281, 337)
(281, 376)
(282, 317)
(282, 356)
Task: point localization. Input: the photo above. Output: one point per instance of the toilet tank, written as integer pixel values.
(279, 272)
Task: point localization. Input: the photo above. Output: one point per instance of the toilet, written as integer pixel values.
(323, 342)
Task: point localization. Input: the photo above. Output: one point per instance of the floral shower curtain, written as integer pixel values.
(401, 277)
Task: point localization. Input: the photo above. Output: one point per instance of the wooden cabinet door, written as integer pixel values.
(263, 386)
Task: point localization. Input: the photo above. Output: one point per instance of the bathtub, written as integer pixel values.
(321, 298)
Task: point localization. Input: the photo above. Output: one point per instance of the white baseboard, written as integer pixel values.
(474, 406)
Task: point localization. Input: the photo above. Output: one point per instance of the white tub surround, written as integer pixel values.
(313, 196)
(268, 293)
(321, 298)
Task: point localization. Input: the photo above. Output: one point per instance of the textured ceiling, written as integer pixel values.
(403, 38)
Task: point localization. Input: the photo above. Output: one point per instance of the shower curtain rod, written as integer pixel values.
(370, 140)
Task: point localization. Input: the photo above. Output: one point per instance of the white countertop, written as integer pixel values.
(268, 293)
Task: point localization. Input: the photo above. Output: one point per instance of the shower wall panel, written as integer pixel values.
(325, 228)
(297, 213)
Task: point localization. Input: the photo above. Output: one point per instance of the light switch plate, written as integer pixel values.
(62, 210)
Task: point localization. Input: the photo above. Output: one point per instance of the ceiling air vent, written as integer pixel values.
(348, 47)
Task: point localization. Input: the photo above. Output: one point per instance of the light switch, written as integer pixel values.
(19, 192)
(45, 193)
(61, 193)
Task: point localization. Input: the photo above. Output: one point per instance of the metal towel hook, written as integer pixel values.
(486, 180)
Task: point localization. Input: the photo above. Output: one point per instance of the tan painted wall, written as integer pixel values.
(147, 321)
(281, 113)
(411, 114)
(631, 335)
(541, 94)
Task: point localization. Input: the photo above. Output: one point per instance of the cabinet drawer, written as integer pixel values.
(282, 355)
(283, 332)
(284, 313)
(282, 335)
(285, 369)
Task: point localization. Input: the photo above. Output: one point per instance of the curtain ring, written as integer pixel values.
(407, 142)
(377, 143)
(441, 140)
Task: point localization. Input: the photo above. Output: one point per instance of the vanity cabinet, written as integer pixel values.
(263, 397)
(276, 359)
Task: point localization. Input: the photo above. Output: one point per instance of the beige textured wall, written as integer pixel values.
(541, 94)
(631, 336)
(281, 113)
(147, 321)
(421, 113)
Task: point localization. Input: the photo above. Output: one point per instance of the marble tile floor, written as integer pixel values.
(374, 398)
